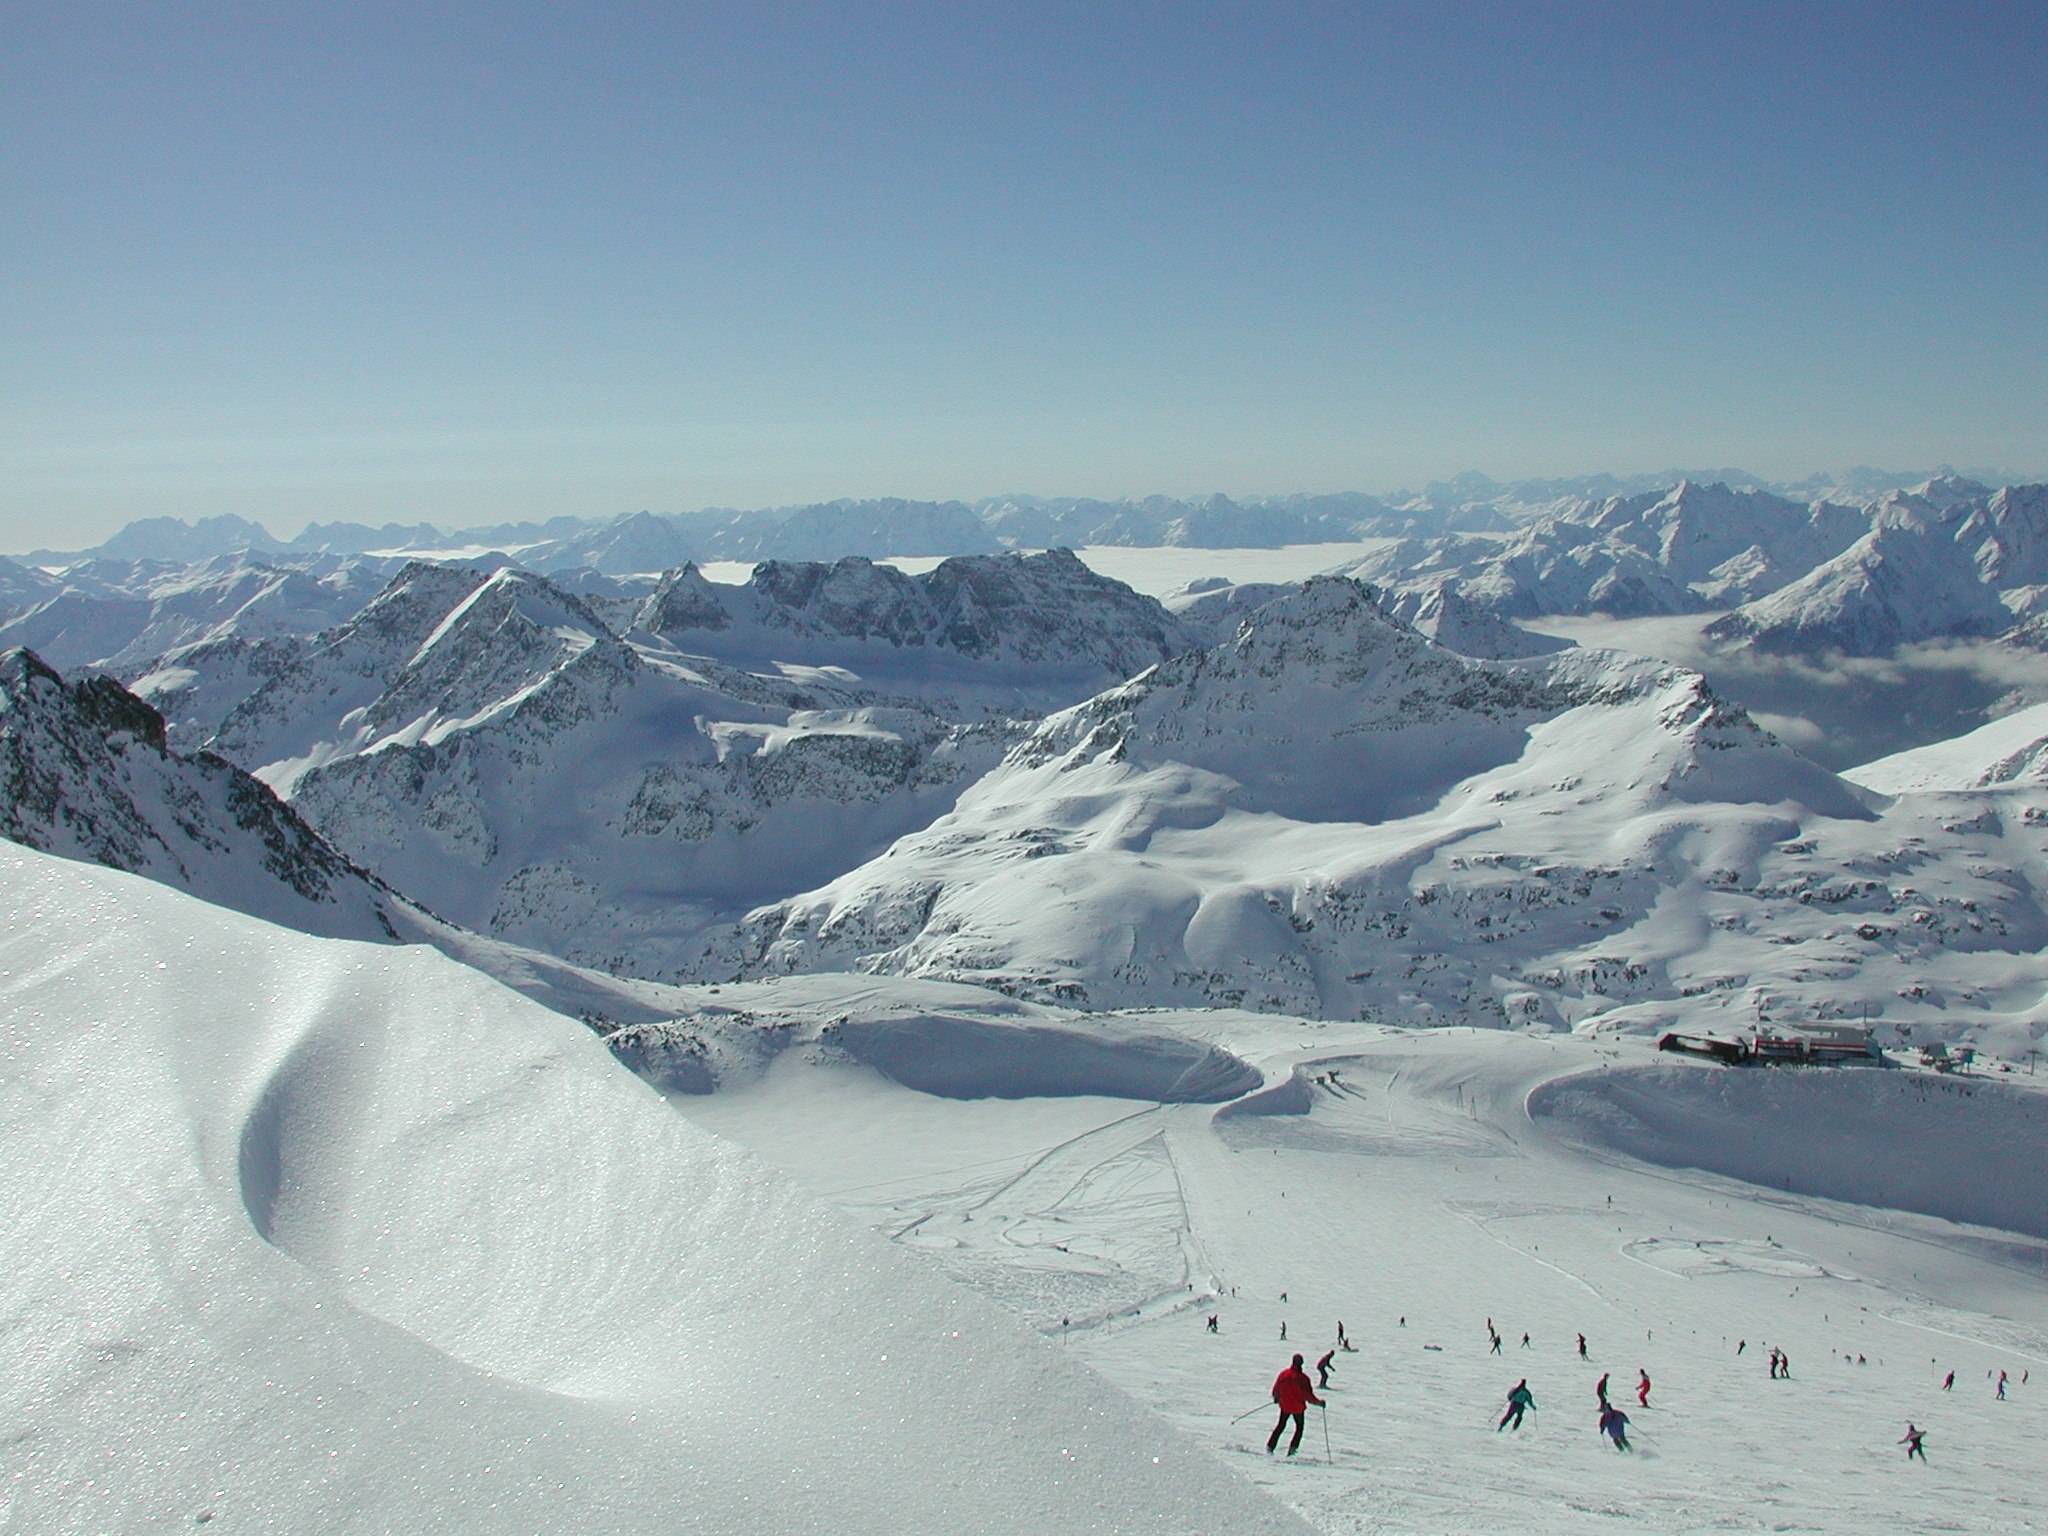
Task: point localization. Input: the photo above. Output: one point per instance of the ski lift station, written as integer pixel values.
(1801, 1045)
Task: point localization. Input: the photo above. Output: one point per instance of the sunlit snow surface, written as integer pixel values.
(503, 1287)
(1418, 1185)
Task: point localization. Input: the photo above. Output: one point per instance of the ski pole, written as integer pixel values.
(1249, 1412)
(1327, 1458)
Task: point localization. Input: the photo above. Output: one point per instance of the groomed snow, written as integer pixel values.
(503, 1287)
(1910, 1141)
(1413, 1197)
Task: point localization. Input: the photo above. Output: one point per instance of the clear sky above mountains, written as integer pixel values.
(502, 261)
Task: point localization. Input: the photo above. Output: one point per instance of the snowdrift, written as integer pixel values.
(940, 1038)
(318, 1235)
(1900, 1140)
(963, 1058)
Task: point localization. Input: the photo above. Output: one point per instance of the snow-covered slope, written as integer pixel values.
(1333, 817)
(936, 1037)
(1946, 558)
(2010, 750)
(526, 773)
(119, 619)
(1278, 822)
(487, 742)
(85, 772)
(1925, 569)
(1411, 1187)
(309, 1235)
(1685, 549)
(1872, 1146)
(1024, 625)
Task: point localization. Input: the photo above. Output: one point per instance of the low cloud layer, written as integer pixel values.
(1839, 710)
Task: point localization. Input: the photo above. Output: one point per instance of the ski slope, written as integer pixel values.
(312, 1235)
(1418, 1185)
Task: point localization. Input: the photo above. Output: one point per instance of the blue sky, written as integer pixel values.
(466, 263)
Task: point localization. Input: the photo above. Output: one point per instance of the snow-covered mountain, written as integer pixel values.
(1213, 522)
(2010, 751)
(1331, 816)
(120, 618)
(487, 743)
(1023, 623)
(1215, 607)
(88, 774)
(1329, 750)
(1949, 558)
(1687, 549)
(1932, 565)
(1446, 615)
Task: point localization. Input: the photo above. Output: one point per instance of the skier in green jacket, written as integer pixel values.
(1519, 1401)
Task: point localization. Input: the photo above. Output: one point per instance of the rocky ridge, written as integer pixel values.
(87, 774)
(490, 744)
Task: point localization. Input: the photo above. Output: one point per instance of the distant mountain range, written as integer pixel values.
(1328, 799)
(647, 541)
(1948, 558)
(1373, 794)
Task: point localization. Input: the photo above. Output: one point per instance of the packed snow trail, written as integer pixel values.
(1418, 1186)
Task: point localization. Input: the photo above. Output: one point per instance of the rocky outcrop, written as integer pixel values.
(86, 773)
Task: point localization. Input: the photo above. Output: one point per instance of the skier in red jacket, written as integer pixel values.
(1293, 1391)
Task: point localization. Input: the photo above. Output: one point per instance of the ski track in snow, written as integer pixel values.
(1419, 1186)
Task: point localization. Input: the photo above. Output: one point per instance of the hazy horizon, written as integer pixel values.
(286, 530)
(506, 263)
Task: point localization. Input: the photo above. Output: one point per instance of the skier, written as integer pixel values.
(1283, 1330)
(1642, 1387)
(1525, 1341)
(1741, 1345)
(1784, 1366)
(1323, 1369)
(1519, 1401)
(1582, 1346)
(1293, 1392)
(1949, 1385)
(1912, 1440)
(1212, 1322)
(1600, 1389)
(1496, 1344)
(2001, 1386)
(1614, 1424)
(1341, 1340)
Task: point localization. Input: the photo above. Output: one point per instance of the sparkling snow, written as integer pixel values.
(504, 1288)
(1417, 1185)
